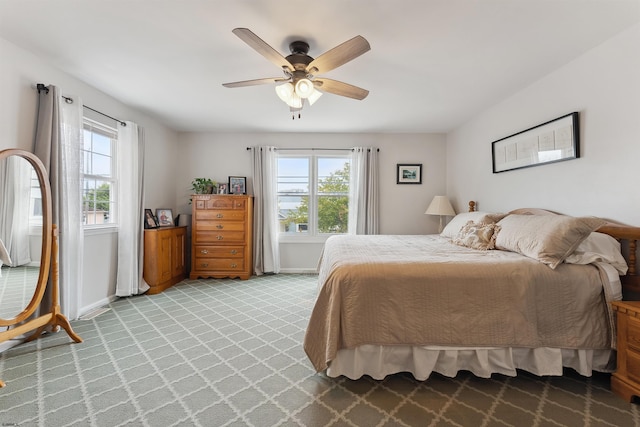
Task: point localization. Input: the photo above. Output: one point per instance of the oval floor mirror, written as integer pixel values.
(28, 250)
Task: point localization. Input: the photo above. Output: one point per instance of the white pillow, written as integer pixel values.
(599, 247)
(454, 226)
(547, 238)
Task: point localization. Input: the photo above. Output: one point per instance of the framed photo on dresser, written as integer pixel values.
(150, 220)
(165, 217)
(237, 185)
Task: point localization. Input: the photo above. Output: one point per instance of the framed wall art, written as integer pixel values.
(554, 141)
(409, 174)
(237, 185)
(165, 217)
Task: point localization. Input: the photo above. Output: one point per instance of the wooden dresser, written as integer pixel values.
(625, 382)
(222, 235)
(164, 257)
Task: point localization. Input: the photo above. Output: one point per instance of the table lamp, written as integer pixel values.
(440, 206)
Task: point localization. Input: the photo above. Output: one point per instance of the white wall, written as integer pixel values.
(20, 71)
(219, 155)
(603, 85)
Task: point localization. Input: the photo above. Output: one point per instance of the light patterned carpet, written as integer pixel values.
(16, 289)
(229, 353)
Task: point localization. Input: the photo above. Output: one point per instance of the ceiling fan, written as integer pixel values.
(300, 84)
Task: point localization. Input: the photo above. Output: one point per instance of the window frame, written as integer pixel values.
(313, 157)
(92, 125)
(35, 221)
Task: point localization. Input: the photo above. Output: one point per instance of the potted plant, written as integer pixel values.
(202, 186)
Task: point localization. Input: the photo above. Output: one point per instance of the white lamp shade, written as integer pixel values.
(440, 206)
(315, 95)
(304, 88)
(285, 91)
(295, 101)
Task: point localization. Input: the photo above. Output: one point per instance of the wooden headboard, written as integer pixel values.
(628, 237)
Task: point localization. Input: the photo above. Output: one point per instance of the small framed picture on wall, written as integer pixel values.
(409, 174)
(237, 185)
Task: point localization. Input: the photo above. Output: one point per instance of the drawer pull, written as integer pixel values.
(219, 226)
(219, 215)
(204, 251)
(234, 265)
(233, 252)
(219, 237)
(204, 264)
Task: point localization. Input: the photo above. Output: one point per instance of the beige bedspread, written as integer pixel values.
(424, 290)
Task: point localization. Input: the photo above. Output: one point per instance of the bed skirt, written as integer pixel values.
(380, 361)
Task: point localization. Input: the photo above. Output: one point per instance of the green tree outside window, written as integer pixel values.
(333, 204)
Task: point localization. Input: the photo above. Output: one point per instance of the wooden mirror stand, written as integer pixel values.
(53, 318)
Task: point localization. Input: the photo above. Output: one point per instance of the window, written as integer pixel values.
(35, 200)
(313, 194)
(99, 184)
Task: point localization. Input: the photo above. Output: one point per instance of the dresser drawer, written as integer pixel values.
(218, 237)
(633, 365)
(219, 264)
(633, 333)
(219, 215)
(220, 203)
(219, 251)
(221, 226)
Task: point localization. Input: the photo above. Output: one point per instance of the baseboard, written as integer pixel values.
(96, 305)
(298, 271)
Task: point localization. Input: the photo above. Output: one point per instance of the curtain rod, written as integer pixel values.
(68, 100)
(316, 149)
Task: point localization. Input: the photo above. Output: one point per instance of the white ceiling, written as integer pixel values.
(432, 66)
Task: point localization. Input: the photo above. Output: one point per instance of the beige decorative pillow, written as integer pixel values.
(547, 238)
(454, 226)
(477, 235)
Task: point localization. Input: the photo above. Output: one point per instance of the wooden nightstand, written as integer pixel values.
(625, 382)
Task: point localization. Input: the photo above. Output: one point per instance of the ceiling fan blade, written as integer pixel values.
(340, 88)
(339, 55)
(260, 46)
(255, 82)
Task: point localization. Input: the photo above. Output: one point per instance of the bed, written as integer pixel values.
(493, 293)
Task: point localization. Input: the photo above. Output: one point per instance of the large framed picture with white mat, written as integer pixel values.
(554, 141)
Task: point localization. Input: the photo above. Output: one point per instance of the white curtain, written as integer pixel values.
(59, 145)
(266, 253)
(131, 210)
(363, 197)
(15, 194)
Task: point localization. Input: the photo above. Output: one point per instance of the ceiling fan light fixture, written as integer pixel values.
(300, 69)
(285, 92)
(304, 88)
(295, 101)
(315, 95)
